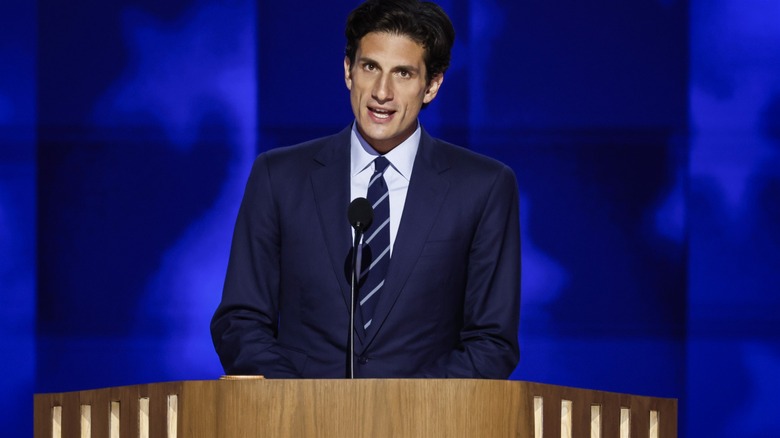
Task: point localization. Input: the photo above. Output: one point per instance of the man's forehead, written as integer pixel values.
(390, 48)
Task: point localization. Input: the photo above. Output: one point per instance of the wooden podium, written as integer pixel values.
(352, 408)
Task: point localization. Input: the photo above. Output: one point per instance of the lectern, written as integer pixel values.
(352, 408)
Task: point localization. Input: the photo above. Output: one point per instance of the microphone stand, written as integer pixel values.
(353, 296)
(360, 214)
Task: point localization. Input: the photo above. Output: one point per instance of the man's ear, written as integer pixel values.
(433, 88)
(347, 73)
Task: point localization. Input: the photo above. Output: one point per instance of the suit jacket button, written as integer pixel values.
(362, 360)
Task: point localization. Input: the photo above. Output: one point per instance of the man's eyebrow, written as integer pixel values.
(409, 68)
(366, 60)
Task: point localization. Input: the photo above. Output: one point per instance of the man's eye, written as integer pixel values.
(369, 67)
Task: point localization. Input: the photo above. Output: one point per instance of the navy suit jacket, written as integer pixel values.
(450, 305)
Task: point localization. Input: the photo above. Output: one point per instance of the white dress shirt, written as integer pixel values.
(397, 175)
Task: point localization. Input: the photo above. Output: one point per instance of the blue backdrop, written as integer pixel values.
(645, 136)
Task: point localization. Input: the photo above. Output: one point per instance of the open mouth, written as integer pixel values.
(381, 114)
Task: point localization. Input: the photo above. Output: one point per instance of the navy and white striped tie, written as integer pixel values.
(376, 242)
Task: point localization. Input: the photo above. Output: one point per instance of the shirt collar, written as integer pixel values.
(401, 157)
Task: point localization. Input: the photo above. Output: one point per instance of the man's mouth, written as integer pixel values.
(381, 114)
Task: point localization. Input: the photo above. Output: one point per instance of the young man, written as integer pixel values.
(439, 292)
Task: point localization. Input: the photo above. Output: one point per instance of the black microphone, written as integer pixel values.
(360, 214)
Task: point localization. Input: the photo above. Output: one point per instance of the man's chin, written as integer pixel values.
(376, 135)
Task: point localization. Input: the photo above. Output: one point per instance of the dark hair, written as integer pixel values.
(424, 22)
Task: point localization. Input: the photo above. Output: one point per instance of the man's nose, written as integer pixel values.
(383, 89)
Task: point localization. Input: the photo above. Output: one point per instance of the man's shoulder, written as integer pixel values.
(301, 156)
(465, 159)
(472, 175)
(311, 147)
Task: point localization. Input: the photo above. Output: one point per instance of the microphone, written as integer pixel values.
(360, 214)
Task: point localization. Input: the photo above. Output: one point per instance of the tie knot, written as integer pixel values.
(380, 164)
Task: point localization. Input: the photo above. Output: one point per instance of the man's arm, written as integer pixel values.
(488, 340)
(244, 325)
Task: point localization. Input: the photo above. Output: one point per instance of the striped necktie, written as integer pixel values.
(376, 242)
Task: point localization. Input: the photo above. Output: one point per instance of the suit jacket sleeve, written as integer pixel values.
(488, 339)
(244, 325)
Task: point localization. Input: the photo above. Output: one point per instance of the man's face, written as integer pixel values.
(387, 88)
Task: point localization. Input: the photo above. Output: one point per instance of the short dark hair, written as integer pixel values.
(424, 22)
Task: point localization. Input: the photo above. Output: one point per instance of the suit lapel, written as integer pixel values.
(427, 190)
(330, 183)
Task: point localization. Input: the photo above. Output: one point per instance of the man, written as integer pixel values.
(440, 296)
